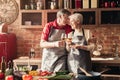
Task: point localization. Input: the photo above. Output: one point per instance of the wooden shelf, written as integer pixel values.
(32, 27)
(93, 17)
(111, 75)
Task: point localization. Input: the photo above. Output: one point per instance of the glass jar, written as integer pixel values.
(53, 5)
(39, 5)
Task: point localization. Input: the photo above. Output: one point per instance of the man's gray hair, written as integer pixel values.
(63, 11)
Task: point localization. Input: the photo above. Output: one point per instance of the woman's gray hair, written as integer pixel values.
(77, 17)
(63, 11)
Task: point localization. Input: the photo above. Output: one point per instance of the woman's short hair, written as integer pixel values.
(77, 17)
(63, 11)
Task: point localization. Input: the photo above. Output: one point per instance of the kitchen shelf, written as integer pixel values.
(32, 18)
(109, 17)
(93, 17)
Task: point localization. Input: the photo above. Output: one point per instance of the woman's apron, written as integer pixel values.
(53, 59)
(79, 57)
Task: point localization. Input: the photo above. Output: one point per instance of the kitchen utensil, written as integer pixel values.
(86, 73)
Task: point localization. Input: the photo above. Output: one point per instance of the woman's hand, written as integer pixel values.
(68, 41)
(77, 46)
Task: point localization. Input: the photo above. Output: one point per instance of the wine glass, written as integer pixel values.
(63, 36)
(69, 37)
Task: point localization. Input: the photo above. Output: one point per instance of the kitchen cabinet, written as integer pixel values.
(109, 17)
(31, 17)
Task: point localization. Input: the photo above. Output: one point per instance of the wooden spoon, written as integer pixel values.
(86, 73)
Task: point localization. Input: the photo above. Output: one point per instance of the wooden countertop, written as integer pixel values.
(107, 61)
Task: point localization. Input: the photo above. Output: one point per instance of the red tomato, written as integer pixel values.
(10, 77)
(2, 75)
(43, 73)
(27, 77)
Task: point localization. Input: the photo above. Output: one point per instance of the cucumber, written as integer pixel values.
(61, 77)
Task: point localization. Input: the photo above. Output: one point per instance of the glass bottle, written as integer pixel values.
(66, 4)
(112, 4)
(32, 53)
(39, 5)
(118, 3)
(53, 4)
(3, 64)
(10, 65)
(32, 4)
(101, 5)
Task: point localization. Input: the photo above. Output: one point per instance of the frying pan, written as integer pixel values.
(90, 75)
(95, 76)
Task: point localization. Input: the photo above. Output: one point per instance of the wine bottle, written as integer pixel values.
(39, 5)
(32, 4)
(32, 53)
(3, 64)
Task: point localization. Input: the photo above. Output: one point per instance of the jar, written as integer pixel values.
(39, 5)
(53, 5)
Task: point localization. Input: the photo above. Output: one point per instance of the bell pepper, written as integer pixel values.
(27, 77)
(2, 75)
(9, 77)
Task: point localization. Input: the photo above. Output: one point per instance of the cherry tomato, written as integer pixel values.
(43, 73)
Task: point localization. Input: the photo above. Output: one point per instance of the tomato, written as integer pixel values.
(9, 77)
(2, 75)
(27, 77)
(43, 74)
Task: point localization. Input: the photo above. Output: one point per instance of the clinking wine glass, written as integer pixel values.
(69, 37)
(63, 36)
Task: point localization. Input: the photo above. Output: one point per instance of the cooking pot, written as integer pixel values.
(94, 76)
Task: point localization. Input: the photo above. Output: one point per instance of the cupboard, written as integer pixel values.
(33, 17)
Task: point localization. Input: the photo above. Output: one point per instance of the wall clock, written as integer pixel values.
(8, 11)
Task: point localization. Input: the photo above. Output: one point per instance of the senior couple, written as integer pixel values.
(56, 51)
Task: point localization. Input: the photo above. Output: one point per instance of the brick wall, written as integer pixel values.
(25, 37)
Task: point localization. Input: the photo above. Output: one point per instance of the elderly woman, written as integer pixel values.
(79, 48)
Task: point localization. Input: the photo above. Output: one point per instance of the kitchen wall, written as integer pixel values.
(106, 34)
